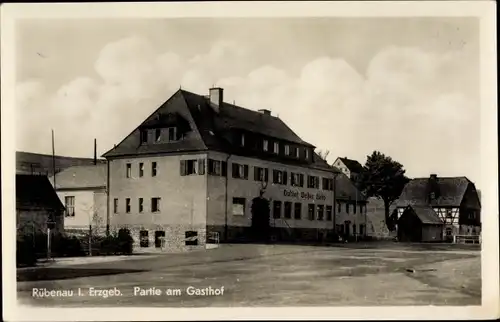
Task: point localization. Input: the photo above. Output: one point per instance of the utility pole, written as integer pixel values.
(334, 203)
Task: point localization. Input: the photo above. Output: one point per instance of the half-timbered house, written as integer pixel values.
(448, 205)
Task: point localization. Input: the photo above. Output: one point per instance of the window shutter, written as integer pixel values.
(211, 167)
(183, 167)
(285, 177)
(235, 170)
(245, 170)
(224, 168)
(201, 166)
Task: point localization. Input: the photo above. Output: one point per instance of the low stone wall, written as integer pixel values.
(174, 239)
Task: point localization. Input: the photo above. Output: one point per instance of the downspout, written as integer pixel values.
(334, 192)
(225, 198)
(107, 198)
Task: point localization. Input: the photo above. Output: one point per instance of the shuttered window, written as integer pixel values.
(240, 171)
(190, 167)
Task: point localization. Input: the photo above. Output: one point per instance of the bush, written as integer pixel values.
(117, 244)
(64, 246)
(25, 252)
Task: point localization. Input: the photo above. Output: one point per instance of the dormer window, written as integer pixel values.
(276, 147)
(157, 135)
(144, 136)
(172, 134)
(242, 140)
(307, 154)
(297, 153)
(287, 149)
(265, 145)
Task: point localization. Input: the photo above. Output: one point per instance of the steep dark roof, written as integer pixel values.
(426, 214)
(346, 190)
(214, 128)
(352, 165)
(36, 191)
(90, 176)
(451, 192)
(37, 163)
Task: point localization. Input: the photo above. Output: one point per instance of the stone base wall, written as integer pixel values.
(174, 238)
(296, 235)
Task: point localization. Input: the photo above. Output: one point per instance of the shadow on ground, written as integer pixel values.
(61, 273)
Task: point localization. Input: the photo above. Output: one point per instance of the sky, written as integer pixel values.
(407, 87)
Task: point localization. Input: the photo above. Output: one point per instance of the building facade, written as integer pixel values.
(82, 190)
(349, 167)
(190, 171)
(451, 202)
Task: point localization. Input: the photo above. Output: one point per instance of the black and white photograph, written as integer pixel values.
(250, 160)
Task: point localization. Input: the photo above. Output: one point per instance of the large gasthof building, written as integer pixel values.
(190, 171)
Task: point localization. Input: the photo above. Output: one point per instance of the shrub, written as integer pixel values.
(117, 244)
(25, 251)
(125, 241)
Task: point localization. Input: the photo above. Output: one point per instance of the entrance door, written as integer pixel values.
(347, 229)
(159, 237)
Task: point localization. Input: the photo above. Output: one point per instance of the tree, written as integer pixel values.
(323, 154)
(383, 178)
(260, 215)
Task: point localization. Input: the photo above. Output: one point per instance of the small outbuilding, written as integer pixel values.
(420, 224)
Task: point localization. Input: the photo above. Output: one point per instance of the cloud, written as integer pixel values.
(420, 107)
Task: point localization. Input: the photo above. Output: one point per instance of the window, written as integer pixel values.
(217, 168)
(313, 182)
(242, 140)
(144, 238)
(297, 179)
(339, 207)
(172, 134)
(307, 153)
(449, 231)
(448, 213)
(189, 167)
(265, 145)
(129, 170)
(155, 204)
(157, 135)
(159, 237)
(276, 147)
(321, 209)
(115, 206)
(69, 203)
(310, 211)
(297, 210)
(287, 149)
(153, 169)
(276, 209)
(327, 184)
(144, 136)
(127, 205)
(191, 238)
(288, 210)
(240, 171)
(329, 213)
(260, 174)
(347, 207)
(239, 206)
(141, 205)
(141, 169)
(297, 153)
(280, 177)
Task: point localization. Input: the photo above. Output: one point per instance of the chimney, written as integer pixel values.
(265, 112)
(433, 176)
(216, 96)
(433, 187)
(95, 151)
